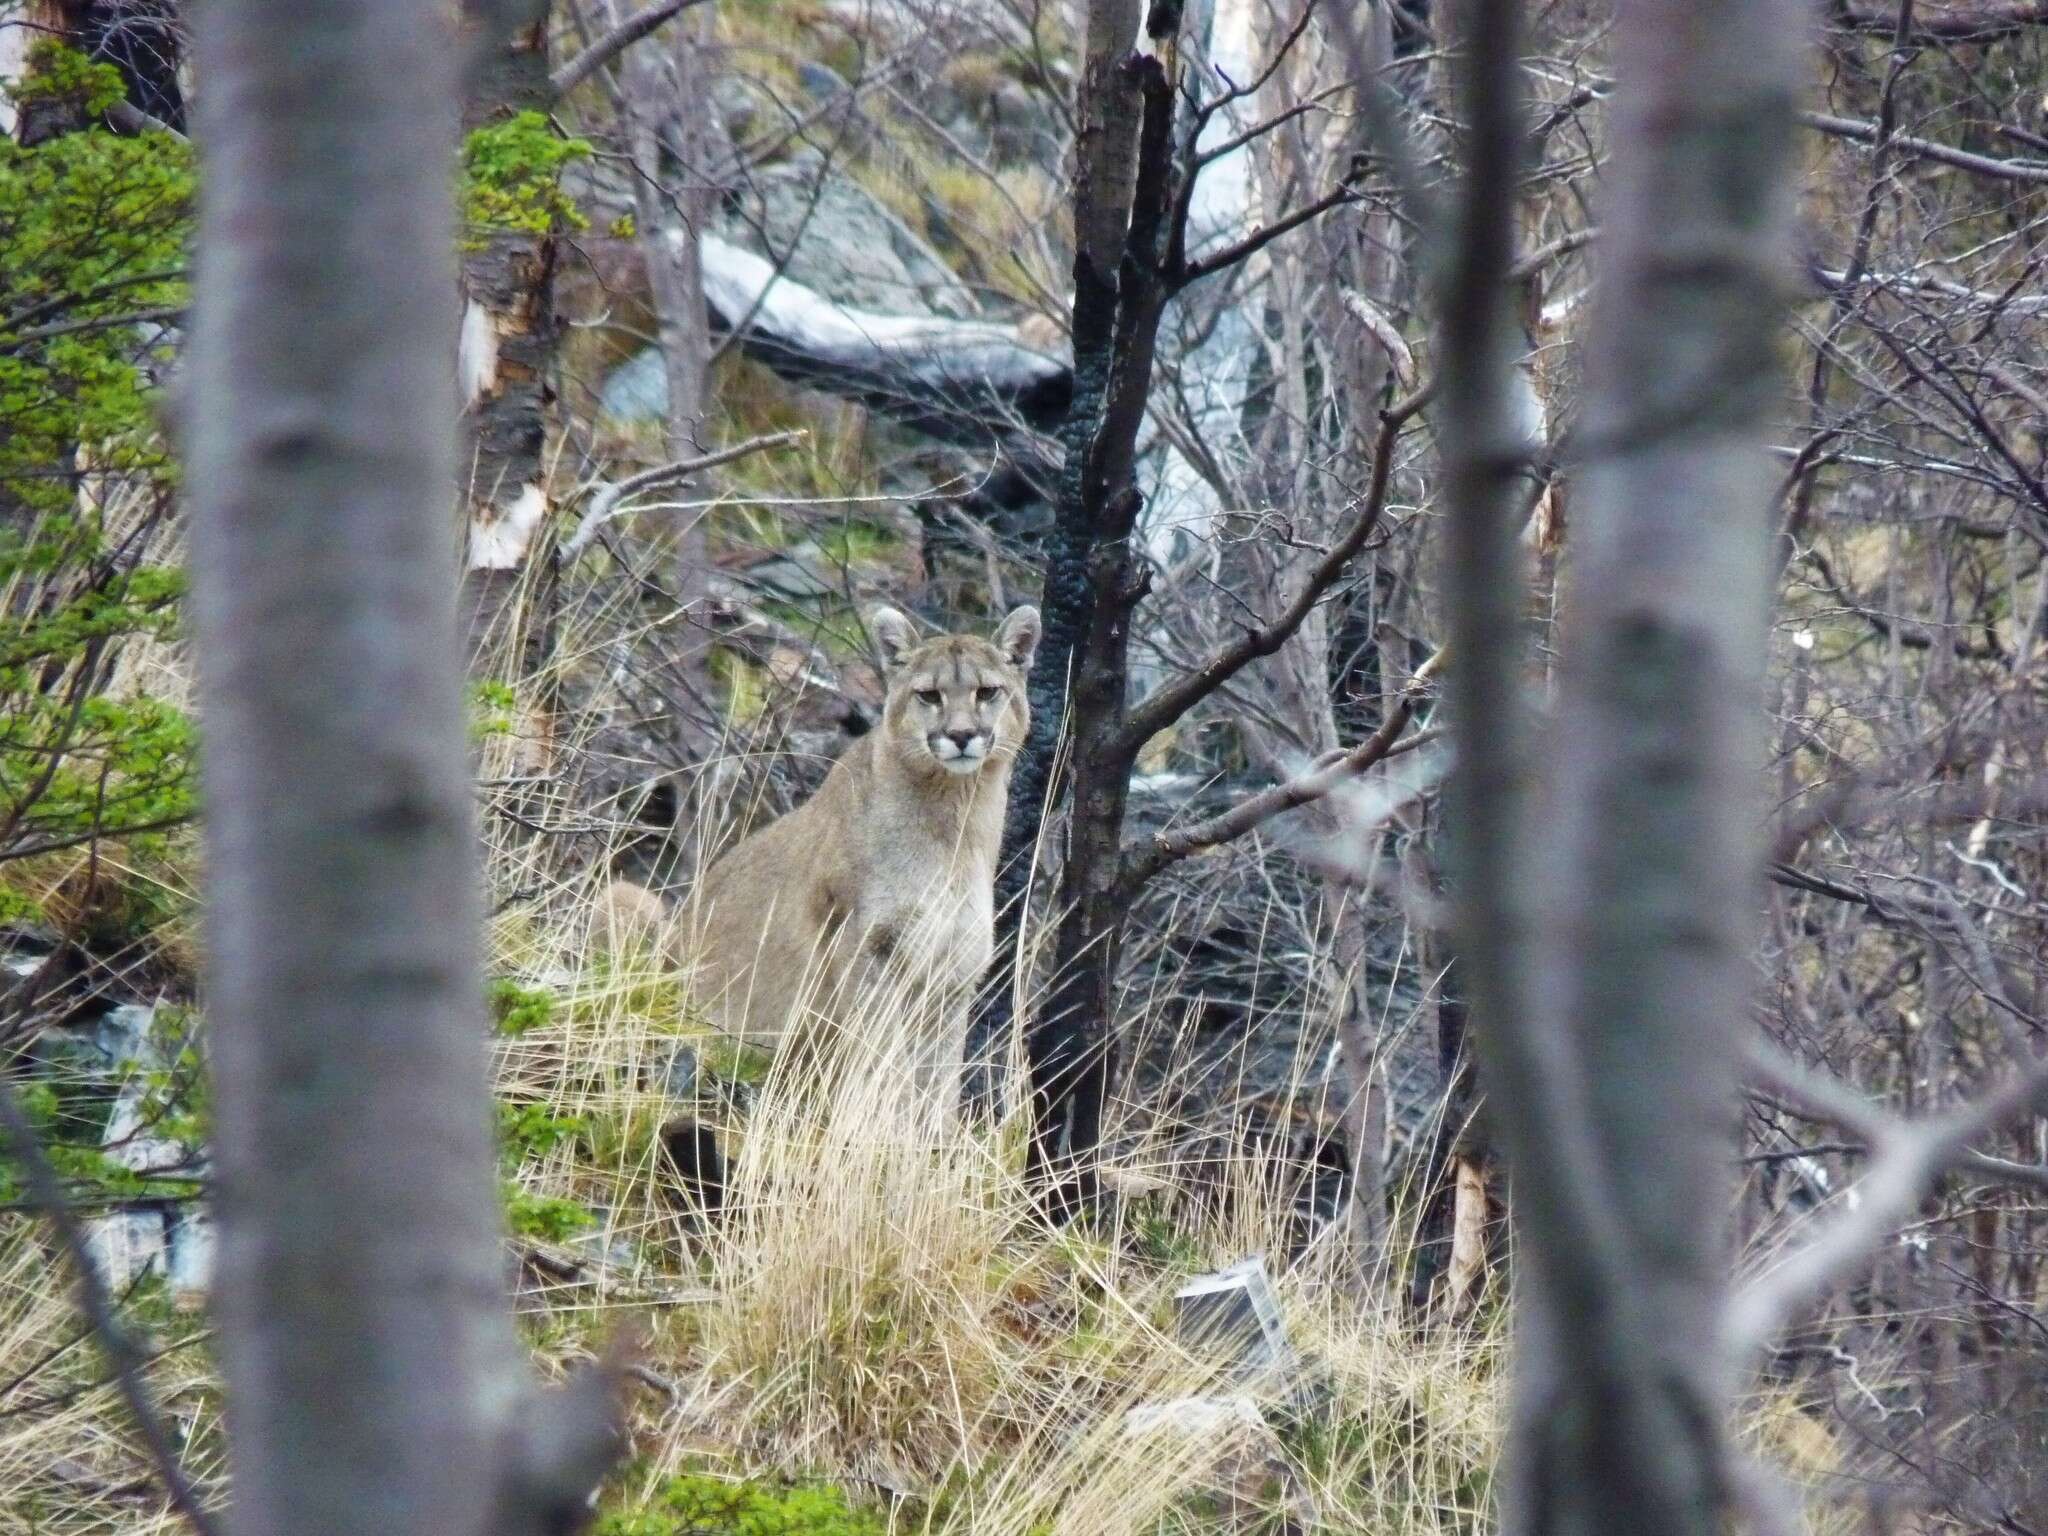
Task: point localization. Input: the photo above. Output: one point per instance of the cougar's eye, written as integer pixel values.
(987, 695)
(929, 697)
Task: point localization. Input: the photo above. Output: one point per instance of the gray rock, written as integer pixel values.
(172, 1240)
(821, 82)
(674, 1073)
(637, 390)
(1208, 1417)
(836, 239)
(794, 574)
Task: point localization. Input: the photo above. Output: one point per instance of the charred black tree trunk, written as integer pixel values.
(1091, 587)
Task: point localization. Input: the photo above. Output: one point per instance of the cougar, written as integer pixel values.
(880, 888)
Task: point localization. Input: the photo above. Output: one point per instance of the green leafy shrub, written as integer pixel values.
(94, 229)
(512, 177)
(547, 1217)
(697, 1505)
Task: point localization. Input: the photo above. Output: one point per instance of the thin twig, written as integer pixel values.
(1173, 844)
(1906, 1160)
(47, 1193)
(1170, 701)
(606, 503)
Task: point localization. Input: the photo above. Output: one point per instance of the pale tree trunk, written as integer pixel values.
(671, 214)
(374, 1381)
(1609, 877)
(1283, 701)
(507, 349)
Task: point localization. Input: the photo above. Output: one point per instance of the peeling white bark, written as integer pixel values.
(500, 544)
(14, 43)
(477, 354)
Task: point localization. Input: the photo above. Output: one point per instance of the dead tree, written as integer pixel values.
(1138, 163)
(373, 1377)
(508, 339)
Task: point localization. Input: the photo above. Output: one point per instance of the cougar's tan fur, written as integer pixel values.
(885, 878)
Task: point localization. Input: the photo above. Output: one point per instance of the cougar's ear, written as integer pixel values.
(1018, 637)
(894, 633)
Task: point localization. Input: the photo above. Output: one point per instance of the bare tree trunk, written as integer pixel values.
(1107, 108)
(374, 1380)
(671, 218)
(1093, 583)
(1608, 883)
(507, 346)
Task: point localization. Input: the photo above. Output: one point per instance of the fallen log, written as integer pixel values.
(962, 381)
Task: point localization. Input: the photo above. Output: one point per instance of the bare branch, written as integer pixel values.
(1259, 239)
(126, 115)
(1974, 21)
(1927, 149)
(166, 315)
(613, 43)
(606, 503)
(46, 1193)
(1906, 1161)
(1173, 844)
(1170, 701)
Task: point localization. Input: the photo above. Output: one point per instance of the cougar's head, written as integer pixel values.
(955, 702)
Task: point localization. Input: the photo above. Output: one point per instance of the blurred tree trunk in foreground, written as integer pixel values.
(1611, 861)
(374, 1380)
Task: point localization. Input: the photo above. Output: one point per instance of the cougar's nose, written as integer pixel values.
(962, 739)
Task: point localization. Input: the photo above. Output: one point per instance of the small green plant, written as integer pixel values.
(512, 177)
(529, 1130)
(698, 1505)
(546, 1217)
(516, 1009)
(493, 707)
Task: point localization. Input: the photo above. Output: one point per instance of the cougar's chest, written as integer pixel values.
(932, 899)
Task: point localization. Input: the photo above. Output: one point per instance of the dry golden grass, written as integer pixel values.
(878, 1308)
(881, 1308)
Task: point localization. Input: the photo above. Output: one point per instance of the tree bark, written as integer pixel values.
(1093, 584)
(508, 342)
(1107, 109)
(671, 220)
(373, 1378)
(1608, 880)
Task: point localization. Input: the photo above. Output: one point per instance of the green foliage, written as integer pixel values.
(528, 1129)
(512, 177)
(493, 706)
(697, 1505)
(69, 1119)
(546, 1217)
(177, 1099)
(93, 233)
(57, 73)
(516, 1009)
